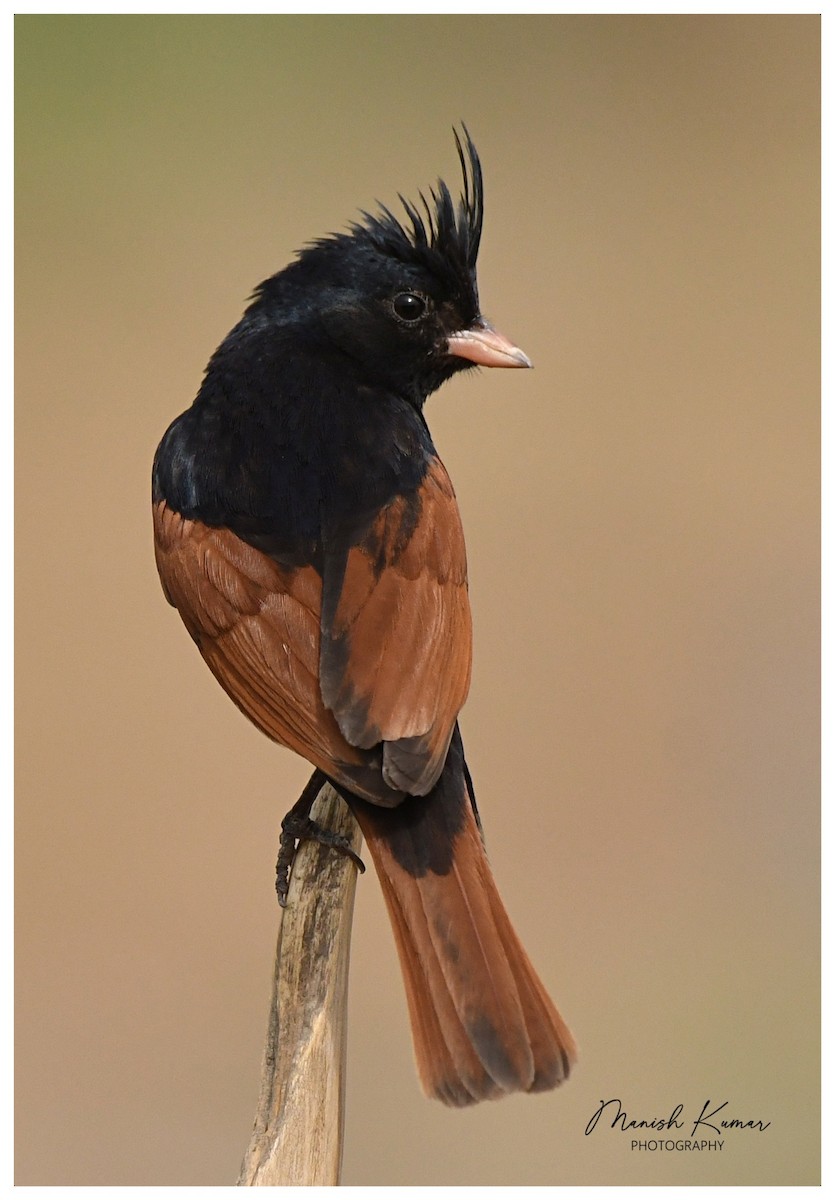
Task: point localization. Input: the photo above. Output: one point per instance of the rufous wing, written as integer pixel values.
(257, 625)
(396, 633)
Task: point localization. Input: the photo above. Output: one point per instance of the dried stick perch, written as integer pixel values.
(297, 1137)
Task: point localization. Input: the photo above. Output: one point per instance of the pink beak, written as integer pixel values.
(483, 344)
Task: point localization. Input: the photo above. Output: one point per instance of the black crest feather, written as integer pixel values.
(444, 233)
(444, 237)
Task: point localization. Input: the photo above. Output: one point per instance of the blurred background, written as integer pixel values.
(642, 522)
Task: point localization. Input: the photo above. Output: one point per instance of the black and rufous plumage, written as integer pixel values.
(308, 534)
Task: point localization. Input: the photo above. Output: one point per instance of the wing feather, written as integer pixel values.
(257, 626)
(367, 690)
(397, 651)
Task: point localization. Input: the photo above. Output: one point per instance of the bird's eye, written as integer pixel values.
(409, 306)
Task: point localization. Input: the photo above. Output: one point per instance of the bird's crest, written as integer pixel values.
(444, 237)
(449, 231)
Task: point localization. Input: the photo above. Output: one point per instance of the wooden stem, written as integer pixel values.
(297, 1137)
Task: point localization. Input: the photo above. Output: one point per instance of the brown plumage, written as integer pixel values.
(482, 1022)
(403, 598)
(403, 601)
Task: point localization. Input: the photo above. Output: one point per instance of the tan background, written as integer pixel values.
(641, 513)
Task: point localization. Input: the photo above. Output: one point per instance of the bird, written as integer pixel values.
(307, 532)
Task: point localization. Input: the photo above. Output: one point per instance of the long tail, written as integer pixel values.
(482, 1023)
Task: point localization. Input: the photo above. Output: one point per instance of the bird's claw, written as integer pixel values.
(296, 829)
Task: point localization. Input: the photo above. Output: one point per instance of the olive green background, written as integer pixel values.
(642, 521)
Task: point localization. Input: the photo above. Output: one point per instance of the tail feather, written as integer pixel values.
(482, 1023)
(553, 1048)
(448, 1066)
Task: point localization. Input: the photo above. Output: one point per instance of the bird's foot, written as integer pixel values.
(298, 827)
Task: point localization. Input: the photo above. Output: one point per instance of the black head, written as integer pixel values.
(397, 299)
